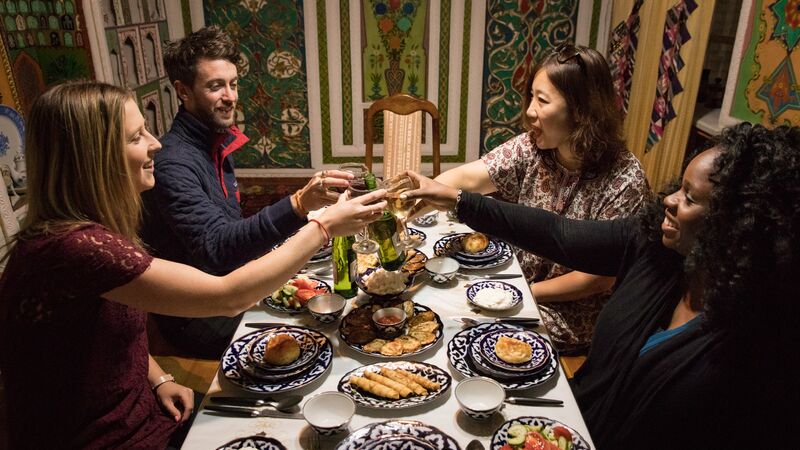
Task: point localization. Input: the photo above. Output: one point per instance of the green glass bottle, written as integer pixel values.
(383, 231)
(344, 266)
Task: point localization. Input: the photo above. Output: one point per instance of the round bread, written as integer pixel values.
(513, 351)
(475, 242)
(281, 350)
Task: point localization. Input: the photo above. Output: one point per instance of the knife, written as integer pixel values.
(472, 321)
(535, 401)
(262, 324)
(491, 276)
(243, 401)
(252, 412)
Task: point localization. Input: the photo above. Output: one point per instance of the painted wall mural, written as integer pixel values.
(767, 88)
(395, 48)
(273, 92)
(516, 36)
(46, 44)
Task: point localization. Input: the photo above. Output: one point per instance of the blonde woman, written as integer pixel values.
(78, 283)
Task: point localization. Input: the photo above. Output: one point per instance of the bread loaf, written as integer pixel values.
(281, 350)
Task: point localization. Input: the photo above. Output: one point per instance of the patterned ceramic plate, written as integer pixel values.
(257, 442)
(233, 372)
(513, 292)
(437, 439)
(540, 350)
(369, 400)
(452, 245)
(272, 303)
(12, 135)
(415, 232)
(458, 354)
(309, 349)
(417, 309)
(361, 281)
(444, 247)
(500, 437)
(398, 442)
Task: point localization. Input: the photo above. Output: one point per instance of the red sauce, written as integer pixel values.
(388, 320)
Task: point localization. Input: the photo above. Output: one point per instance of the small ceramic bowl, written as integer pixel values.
(480, 397)
(391, 322)
(427, 220)
(327, 307)
(329, 412)
(442, 269)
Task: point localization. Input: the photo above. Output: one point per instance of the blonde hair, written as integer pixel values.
(77, 167)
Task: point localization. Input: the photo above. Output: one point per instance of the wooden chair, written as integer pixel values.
(571, 364)
(402, 134)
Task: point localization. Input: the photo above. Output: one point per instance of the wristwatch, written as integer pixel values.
(167, 377)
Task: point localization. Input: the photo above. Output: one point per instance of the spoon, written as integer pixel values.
(475, 445)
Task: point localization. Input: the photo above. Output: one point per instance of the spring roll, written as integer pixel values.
(374, 388)
(408, 382)
(426, 383)
(404, 391)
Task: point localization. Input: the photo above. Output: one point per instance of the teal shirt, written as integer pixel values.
(663, 335)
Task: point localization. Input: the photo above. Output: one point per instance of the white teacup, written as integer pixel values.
(442, 269)
(480, 397)
(329, 412)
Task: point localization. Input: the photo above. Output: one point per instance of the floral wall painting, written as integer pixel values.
(394, 51)
(515, 39)
(273, 92)
(766, 87)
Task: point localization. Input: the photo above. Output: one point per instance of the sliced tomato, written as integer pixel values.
(559, 431)
(304, 295)
(535, 441)
(304, 283)
(507, 447)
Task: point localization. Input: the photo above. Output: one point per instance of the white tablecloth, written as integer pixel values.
(211, 431)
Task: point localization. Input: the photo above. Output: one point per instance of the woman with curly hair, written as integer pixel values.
(78, 284)
(571, 161)
(692, 348)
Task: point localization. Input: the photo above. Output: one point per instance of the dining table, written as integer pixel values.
(211, 430)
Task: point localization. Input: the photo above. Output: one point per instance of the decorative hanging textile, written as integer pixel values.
(668, 85)
(622, 51)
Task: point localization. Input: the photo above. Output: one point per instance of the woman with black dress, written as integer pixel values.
(691, 351)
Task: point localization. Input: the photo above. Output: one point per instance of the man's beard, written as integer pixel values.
(211, 121)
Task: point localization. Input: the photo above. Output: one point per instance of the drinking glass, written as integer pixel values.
(401, 208)
(357, 169)
(365, 244)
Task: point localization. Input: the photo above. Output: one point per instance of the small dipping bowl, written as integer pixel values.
(442, 269)
(390, 322)
(329, 412)
(480, 397)
(427, 220)
(327, 307)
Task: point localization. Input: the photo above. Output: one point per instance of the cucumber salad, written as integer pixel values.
(537, 437)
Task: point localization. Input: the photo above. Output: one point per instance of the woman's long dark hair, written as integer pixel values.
(748, 254)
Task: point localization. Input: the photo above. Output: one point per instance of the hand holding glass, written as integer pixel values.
(401, 207)
(365, 244)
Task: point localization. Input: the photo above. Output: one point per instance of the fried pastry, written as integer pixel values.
(374, 388)
(474, 242)
(429, 326)
(425, 316)
(410, 343)
(513, 351)
(281, 350)
(400, 378)
(424, 337)
(424, 382)
(394, 348)
(375, 346)
(403, 390)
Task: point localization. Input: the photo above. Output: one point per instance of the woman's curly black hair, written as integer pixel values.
(748, 254)
(749, 251)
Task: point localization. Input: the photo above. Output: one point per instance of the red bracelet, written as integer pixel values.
(322, 227)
